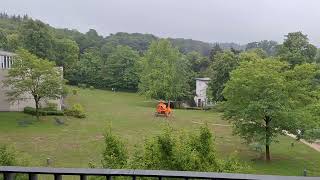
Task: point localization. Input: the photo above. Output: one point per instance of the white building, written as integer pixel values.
(201, 99)
(6, 61)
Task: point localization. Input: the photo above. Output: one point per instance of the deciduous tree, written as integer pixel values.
(37, 39)
(296, 49)
(35, 77)
(164, 72)
(66, 55)
(219, 72)
(120, 70)
(3, 40)
(264, 98)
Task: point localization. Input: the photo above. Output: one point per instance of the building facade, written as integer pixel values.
(201, 99)
(6, 61)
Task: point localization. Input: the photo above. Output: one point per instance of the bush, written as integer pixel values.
(170, 150)
(42, 112)
(50, 107)
(74, 92)
(10, 157)
(76, 111)
(65, 91)
(7, 156)
(115, 154)
(219, 107)
(91, 88)
(54, 113)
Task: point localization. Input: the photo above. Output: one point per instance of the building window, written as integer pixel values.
(1, 61)
(9, 62)
(5, 62)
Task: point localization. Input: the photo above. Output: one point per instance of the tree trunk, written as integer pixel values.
(36, 100)
(268, 153)
(267, 120)
(37, 110)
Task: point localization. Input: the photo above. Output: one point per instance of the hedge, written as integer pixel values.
(42, 112)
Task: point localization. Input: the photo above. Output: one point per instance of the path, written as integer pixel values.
(315, 146)
(212, 124)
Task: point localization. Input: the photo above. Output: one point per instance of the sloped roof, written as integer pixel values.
(6, 53)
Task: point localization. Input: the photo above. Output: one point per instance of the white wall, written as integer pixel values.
(5, 105)
(201, 91)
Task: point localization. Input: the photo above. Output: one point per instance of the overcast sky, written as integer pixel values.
(239, 21)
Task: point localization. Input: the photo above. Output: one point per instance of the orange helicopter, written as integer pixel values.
(163, 109)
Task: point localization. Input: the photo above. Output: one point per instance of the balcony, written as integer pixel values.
(33, 172)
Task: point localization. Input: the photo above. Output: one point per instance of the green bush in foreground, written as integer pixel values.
(170, 151)
(9, 157)
(115, 154)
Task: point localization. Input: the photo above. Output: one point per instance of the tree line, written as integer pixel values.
(89, 58)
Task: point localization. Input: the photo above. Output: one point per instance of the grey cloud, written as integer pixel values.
(238, 21)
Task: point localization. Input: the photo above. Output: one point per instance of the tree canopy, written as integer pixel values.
(121, 68)
(270, 47)
(164, 73)
(266, 97)
(33, 76)
(37, 38)
(219, 72)
(296, 49)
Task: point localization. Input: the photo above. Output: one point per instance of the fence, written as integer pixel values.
(9, 173)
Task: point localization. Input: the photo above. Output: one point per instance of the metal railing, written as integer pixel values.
(9, 173)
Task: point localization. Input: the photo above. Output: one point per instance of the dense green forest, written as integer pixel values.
(115, 61)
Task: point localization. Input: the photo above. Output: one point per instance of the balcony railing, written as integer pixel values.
(9, 173)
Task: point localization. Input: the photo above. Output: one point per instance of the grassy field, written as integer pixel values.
(132, 117)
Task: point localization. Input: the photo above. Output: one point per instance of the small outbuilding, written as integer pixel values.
(201, 99)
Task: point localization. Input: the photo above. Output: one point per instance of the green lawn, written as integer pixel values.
(132, 117)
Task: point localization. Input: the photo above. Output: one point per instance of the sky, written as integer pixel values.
(239, 21)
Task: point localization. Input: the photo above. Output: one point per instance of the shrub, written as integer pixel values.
(65, 91)
(115, 154)
(219, 107)
(7, 156)
(50, 107)
(10, 157)
(74, 92)
(91, 88)
(76, 111)
(170, 150)
(42, 112)
(54, 113)
(29, 110)
(181, 151)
